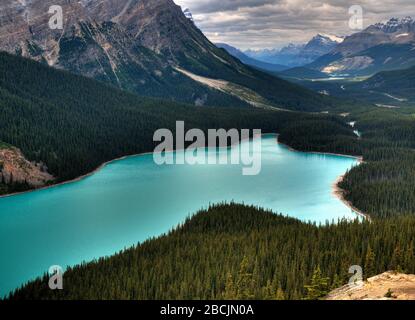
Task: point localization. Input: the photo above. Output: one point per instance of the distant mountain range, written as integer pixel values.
(295, 55)
(251, 61)
(380, 47)
(148, 47)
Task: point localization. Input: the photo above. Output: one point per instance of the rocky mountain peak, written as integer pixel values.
(321, 40)
(395, 25)
(330, 38)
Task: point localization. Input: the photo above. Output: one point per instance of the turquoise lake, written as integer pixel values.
(133, 199)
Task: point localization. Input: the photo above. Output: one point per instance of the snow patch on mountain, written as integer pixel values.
(188, 14)
(402, 35)
(333, 38)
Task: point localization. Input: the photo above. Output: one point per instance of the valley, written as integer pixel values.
(74, 99)
(387, 150)
(374, 65)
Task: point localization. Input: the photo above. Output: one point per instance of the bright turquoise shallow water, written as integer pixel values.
(133, 199)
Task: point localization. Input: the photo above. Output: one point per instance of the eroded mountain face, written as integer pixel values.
(139, 45)
(133, 44)
(24, 24)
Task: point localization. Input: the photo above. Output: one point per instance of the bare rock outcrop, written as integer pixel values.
(386, 286)
(15, 168)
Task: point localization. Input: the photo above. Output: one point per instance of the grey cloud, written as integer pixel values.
(273, 23)
(207, 6)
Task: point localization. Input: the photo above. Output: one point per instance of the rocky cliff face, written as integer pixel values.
(24, 26)
(132, 44)
(99, 39)
(14, 168)
(159, 25)
(387, 286)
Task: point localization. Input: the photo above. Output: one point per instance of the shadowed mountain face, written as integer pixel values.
(145, 46)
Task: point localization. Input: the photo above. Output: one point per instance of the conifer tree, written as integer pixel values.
(370, 267)
(230, 289)
(268, 292)
(319, 286)
(280, 294)
(409, 257)
(245, 281)
(395, 264)
(337, 282)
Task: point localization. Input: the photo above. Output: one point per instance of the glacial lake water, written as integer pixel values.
(133, 199)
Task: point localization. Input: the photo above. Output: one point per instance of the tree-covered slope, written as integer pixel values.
(383, 186)
(238, 252)
(398, 85)
(393, 89)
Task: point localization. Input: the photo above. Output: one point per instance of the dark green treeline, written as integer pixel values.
(238, 252)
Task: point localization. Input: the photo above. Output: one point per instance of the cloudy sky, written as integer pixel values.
(256, 24)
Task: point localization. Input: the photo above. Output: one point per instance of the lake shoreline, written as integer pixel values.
(80, 178)
(336, 190)
(358, 158)
(339, 193)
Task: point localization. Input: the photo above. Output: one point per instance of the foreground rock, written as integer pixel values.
(387, 286)
(16, 169)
